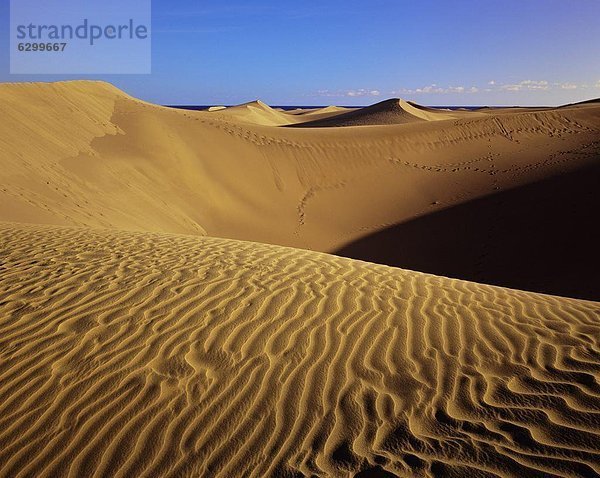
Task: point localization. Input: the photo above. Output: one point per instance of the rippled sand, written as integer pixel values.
(141, 336)
(141, 354)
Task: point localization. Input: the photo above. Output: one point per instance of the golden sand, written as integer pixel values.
(136, 342)
(146, 354)
(86, 154)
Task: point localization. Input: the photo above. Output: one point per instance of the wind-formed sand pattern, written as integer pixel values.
(152, 355)
(136, 342)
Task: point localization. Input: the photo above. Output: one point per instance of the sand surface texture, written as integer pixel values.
(143, 335)
(145, 354)
(86, 154)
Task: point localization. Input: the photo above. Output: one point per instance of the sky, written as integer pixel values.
(350, 52)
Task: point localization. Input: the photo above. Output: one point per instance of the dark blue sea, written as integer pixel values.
(289, 108)
(286, 108)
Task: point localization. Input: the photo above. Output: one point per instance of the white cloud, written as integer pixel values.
(429, 89)
(527, 85)
(535, 85)
(568, 86)
(435, 89)
(360, 92)
(325, 93)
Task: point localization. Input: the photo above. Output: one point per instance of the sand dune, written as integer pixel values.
(146, 354)
(257, 112)
(133, 344)
(86, 154)
(321, 113)
(394, 111)
(538, 237)
(318, 111)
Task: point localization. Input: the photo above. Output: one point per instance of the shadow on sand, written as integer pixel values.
(542, 237)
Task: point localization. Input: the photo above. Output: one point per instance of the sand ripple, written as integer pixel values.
(138, 354)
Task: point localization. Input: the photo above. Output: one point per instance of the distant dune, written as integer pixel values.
(394, 111)
(143, 354)
(153, 322)
(257, 112)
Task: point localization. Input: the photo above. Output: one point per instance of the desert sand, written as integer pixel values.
(147, 354)
(86, 154)
(170, 304)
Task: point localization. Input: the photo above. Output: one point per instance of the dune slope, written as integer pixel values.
(256, 112)
(86, 154)
(393, 111)
(538, 237)
(147, 354)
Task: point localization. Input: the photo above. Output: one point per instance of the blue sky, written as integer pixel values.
(309, 52)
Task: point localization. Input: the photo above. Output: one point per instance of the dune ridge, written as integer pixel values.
(86, 154)
(136, 342)
(256, 112)
(393, 111)
(171, 355)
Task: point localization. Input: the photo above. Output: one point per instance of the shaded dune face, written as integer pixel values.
(393, 111)
(540, 237)
(145, 354)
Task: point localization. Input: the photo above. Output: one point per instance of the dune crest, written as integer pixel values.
(257, 112)
(86, 154)
(133, 344)
(162, 355)
(393, 111)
